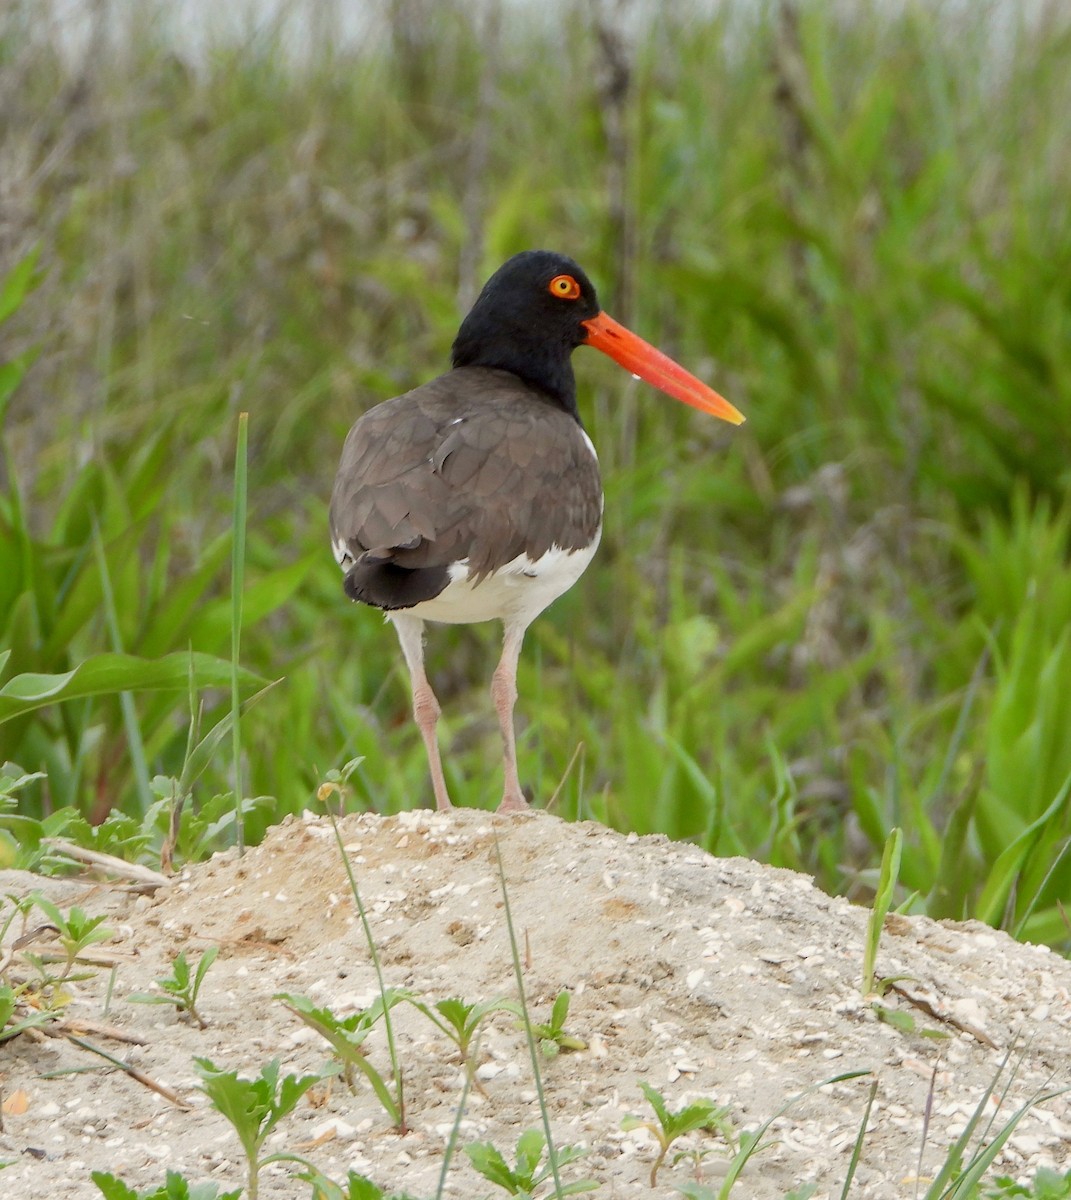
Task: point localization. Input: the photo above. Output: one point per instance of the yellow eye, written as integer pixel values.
(565, 287)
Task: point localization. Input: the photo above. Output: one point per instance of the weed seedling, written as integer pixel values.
(526, 1175)
(9, 1027)
(336, 783)
(254, 1106)
(668, 1126)
(76, 931)
(460, 1022)
(347, 1035)
(887, 878)
(182, 987)
(356, 1187)
(20, 906)
(697, 1191)
(553, 1038)
(702, 1191)
(177, 1187)
(1046, 1185)
(20, 835)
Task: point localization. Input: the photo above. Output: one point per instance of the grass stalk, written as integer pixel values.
(533, 1050)
(134, 741)
(857, 1149)
(455, 1132)
(388, 1024)
(238, 525)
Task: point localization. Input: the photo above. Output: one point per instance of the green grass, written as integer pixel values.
(847, 617)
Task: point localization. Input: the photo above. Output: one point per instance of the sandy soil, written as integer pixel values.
(704, 977)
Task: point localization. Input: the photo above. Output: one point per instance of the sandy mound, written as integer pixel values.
(703, 977)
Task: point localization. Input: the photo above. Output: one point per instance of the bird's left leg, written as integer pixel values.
(504, 694)
(425, 706)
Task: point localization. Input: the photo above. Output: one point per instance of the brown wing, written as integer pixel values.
(474, 465)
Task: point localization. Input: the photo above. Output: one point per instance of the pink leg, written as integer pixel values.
(425, 706)
(504, 694)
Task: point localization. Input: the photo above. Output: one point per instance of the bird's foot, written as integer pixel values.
(514, 802)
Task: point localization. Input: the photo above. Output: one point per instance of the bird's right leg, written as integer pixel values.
(425, 706)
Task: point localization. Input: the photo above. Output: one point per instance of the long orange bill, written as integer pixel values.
(656, 368)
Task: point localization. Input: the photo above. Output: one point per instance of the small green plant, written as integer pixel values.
(177, 1187)
(887, 878)
(356, 1187)
(553, 1038)
(347, 1035)
(526, 1176)
(460, 1022)
(193, 834)
(1046, 1185)
(76, 931)
(42, 998)
(254, 1107)
(701, 1191)
(182, 987)
(20, 906)
(336, 782)
(668, 1126)
(12, 779)
(11, 1023)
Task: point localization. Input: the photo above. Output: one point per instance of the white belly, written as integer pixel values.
(519, 590)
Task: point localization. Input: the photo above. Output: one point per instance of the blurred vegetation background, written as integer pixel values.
(851, 615)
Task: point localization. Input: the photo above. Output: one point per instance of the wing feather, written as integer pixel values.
(474, 465)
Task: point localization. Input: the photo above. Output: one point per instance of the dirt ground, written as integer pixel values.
(703, 977)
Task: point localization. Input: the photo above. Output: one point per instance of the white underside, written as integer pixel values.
(517, 591)
(521, 588)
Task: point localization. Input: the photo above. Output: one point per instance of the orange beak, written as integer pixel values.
(656, 368)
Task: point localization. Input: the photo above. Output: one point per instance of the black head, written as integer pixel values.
(528, 320)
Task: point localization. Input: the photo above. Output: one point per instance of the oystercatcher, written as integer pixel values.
(476, 497)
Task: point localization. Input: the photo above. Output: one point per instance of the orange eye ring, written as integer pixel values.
(564, 287)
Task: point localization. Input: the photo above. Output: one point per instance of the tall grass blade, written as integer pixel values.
(1035, 899)
(108, 674)
(950, 1168)
(1005, 872)
(966, 1184)
(455, 1131)
(238, 520)
(18, 282)
(533, 1051)
(388, 1023)
(135, 744)
(857, 1149)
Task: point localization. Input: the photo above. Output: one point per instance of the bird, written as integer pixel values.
(477, 496)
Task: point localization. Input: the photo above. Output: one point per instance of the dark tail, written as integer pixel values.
(383, 584)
